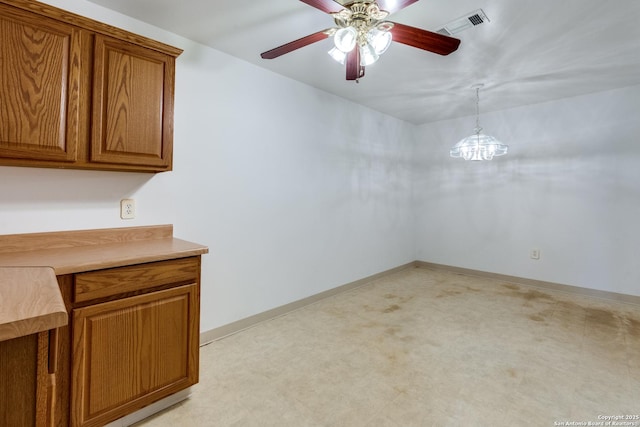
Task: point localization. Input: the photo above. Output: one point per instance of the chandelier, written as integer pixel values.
(362, 27)
(478, 146)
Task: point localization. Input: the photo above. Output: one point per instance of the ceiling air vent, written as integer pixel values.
(469, 20)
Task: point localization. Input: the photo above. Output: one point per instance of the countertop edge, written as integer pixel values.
(30, 297)
(33, 325)
(127, 260)
(31, 302)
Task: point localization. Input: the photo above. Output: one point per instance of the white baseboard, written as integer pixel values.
(232, 328)
(575, 290)
(147, 411)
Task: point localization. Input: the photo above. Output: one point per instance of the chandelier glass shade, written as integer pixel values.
(478, 146)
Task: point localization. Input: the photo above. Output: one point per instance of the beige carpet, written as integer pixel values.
(424, 348)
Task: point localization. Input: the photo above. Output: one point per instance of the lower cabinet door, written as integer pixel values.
(131, 352)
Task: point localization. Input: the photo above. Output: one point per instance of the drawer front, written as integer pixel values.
(121, 280)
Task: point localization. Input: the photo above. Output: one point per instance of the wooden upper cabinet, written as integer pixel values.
(132, 104)
(76, 93)
(39, 87)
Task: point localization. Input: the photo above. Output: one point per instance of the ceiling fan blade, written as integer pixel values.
(296, 44)
(423, 39)
(354, 69)
(392, 6)
(327, 6)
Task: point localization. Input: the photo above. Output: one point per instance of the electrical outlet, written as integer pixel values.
(535, 253)
(127, 209)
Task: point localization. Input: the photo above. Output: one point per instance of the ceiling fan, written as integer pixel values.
(362, 34)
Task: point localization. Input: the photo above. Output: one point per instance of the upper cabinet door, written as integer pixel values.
(132, 120)
(39, 87)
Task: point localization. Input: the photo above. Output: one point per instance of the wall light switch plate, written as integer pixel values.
(127, 209)
(535, 253)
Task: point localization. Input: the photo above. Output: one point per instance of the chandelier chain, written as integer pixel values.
(478, 110)
(478, 146)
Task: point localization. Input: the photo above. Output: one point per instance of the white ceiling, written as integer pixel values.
(531, 51)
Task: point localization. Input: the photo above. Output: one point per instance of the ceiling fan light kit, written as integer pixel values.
(338, 55)
(478, 146)
(362, 34)
(360, 26)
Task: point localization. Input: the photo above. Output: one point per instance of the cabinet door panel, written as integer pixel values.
(18, 377)
(132, 104)
(39, 87)
(131, 352)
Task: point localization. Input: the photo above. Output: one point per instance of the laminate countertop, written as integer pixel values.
(30, 299)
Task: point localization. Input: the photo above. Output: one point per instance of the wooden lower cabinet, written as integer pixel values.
(133, 339)
(27, 382)
(131, 352)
